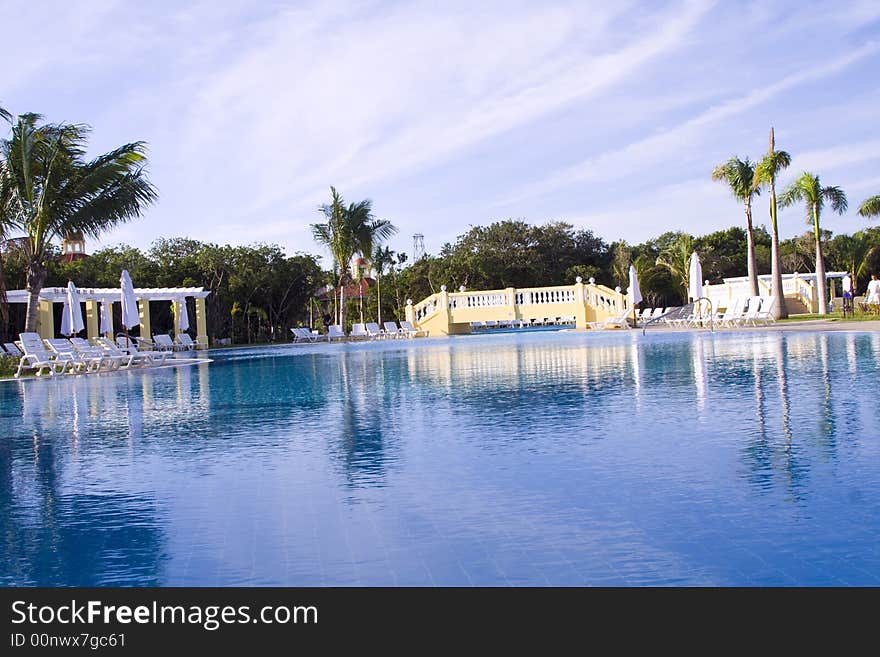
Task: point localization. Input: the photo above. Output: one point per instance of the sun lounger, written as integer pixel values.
(12, 350)
(391, 330)
(107, 361)
(153, 357)
(38, 357)
(765, 313)
(301, 334)
(411, 331)
(359, 331)
(186, 343)
(164, 342)
(335, 332)
(621, 321)
(82, 364)
(127, 359)
(374, 331)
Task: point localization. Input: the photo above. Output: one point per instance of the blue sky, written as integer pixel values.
(608, 115)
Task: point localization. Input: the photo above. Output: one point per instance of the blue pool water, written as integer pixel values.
(525, 459)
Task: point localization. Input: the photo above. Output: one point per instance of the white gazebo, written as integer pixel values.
(93, 296)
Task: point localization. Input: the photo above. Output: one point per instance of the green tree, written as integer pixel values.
(851, 253)
(349, 231)
(382, 258)
(740, 178)
(766, 172)
(870, 207)
(51, 190)
(808, 189)
(676, 260)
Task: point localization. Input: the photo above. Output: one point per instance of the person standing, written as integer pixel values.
(847, 294)
(872, 295)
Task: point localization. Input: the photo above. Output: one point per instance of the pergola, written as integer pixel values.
(93, 296)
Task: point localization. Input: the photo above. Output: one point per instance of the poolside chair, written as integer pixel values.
(107, 360)
(129, 359)
(13, 350)
(730, 314)
(621, 321)
(411, 331)
(37, 357)
(134, 348)
(335, 332)
(164, 342)
(82, 364)
(187, 343)
(765, 314)
(359, 332)
(751, 314)
(302, 334)
(392, 330)
(374, 331)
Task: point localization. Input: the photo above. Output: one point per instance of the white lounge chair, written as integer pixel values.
(374, 331)
(359, 331)
(37, 357)
(411, 331)
(335, 332)
(621, 321)
(392, 330)
(107, 360)
(186, 343)
(128, 359)
(164, 342)
(153, 357)
(301, 334)
(12, 350)
(751, 314)
(82, 364)
(765, 314)
(731, 314)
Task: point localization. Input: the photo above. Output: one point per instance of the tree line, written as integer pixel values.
(49, 190)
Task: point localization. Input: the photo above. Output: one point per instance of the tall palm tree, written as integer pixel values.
(765, 174)
(808, 189)
(349, 231)
(5, 225)
(382, 257)
(676, 260)
(740, 177)
(870, 207)
(51, 190)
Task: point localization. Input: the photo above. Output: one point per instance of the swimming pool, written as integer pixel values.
(748, 458)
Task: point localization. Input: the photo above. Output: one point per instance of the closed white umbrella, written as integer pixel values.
(73, 310)
(65, 318)
(635, 294)
(130, 314)
(695, 278)
(182, 316)
(106, 318)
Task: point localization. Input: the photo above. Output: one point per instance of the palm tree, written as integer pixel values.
(348, 231)
(50, 190)
(5, 225)
(740, 177)
(853, 252)
(870, 207)
(676, 260)
(382, 257)
(765, 174)
(808, 189)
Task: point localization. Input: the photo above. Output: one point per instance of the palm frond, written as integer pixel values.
(870, 207)
(836, 197)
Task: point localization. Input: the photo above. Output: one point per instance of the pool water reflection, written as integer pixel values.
(546, 459)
